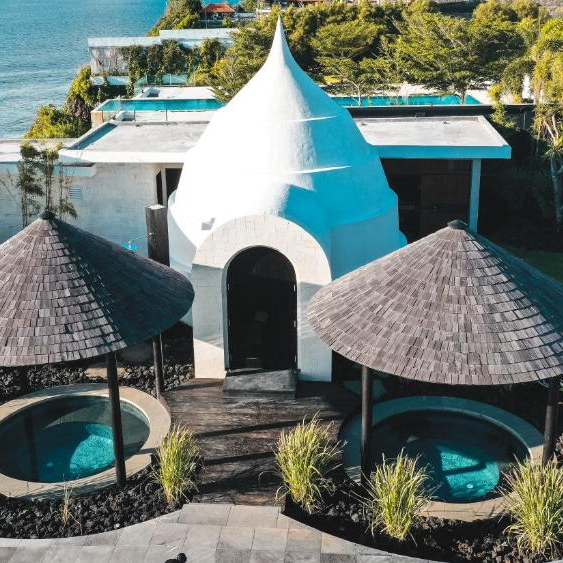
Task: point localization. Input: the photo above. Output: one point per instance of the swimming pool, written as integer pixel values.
(465, 456)
(66, 439)
(152, 104)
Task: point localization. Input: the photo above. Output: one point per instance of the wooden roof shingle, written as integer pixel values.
(450, 308)
(66, 294)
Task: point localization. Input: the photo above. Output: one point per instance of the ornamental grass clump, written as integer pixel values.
(305, 456)
(178, 461)
(396, 493)
(534, 497)
(67, 505)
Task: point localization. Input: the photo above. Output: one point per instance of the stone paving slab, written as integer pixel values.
(205, 533)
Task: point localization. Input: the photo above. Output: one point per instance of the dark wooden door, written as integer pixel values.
(262, 310)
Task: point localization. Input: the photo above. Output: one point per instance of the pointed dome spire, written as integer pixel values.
(279, 51)
(283, 147)
(282, 90)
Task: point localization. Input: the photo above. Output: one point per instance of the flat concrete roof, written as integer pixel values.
(181, 35)
(459, 137)
(10, 148)
(412, 137)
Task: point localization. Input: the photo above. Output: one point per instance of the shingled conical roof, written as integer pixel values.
(451, 308)
(66, 294)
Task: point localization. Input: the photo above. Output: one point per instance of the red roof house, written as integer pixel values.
(220, 10)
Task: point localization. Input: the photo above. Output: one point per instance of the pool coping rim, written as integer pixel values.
(531, 438)
(155, 413)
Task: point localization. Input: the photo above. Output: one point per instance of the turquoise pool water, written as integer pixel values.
(66, 439)
(465, 456)
(152, 104)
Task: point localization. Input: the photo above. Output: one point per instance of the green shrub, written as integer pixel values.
(55, 123)
(534, 496)
(396, 493)
(178, 459)
(304, 457)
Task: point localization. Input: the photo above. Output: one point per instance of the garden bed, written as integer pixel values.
(178, 368)
(110, 509)
(432, 538)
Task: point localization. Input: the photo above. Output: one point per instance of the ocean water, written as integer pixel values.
(43, 44)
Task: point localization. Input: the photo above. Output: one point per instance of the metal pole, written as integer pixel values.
(158, 357)
(365, 446)
(116, 427)
(551, 415)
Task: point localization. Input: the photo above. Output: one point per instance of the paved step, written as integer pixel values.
(205, 533)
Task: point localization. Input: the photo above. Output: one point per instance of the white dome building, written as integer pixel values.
(280, 195)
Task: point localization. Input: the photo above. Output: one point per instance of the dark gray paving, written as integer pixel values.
(237, 435)
(251, 534)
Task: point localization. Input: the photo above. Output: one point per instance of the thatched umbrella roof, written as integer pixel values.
(66, 294)
(451, 308)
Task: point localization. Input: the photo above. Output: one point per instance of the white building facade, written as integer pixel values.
(269, 198)
(299, 181)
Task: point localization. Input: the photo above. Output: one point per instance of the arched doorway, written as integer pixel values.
(262, 310)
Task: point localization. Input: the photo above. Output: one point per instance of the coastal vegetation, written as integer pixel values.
(356, 50)
(73, 118)
(179, 14)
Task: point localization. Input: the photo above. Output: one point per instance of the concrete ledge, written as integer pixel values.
(155, 412)
(281, 382)
(522, 430)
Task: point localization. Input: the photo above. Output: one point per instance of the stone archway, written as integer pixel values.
(209, 278)
(261, 310)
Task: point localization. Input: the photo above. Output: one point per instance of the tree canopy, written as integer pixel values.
(179, 14)
(454, 55)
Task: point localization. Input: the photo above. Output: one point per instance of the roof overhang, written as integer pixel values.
(440, 138)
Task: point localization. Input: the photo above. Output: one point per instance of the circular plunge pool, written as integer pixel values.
(465, 456)
(66, 438)
(465, 445)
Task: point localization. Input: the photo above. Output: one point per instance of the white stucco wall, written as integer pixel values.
(10, 210)
(112, 203)
(208, 277)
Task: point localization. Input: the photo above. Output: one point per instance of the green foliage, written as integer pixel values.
(396, 493)
(304, 457)
(179, 14)
(454, 55)
(417, 6)
(82, 89)
(349, 32)
(550, 263)
(37, 186)
(28, 182)
(349, 39)
(153, 62)
(55, 123)
(178, 461)
(344, 60)
(534, 497)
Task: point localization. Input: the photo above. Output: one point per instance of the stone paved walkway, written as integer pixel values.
(206, 533)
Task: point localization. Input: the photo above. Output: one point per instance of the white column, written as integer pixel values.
(474, 194)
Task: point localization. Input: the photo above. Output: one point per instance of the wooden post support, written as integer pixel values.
(367, 407)
(551, 416)
(116, 426)
(158, 365)
(157, 236)
(22, 379)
